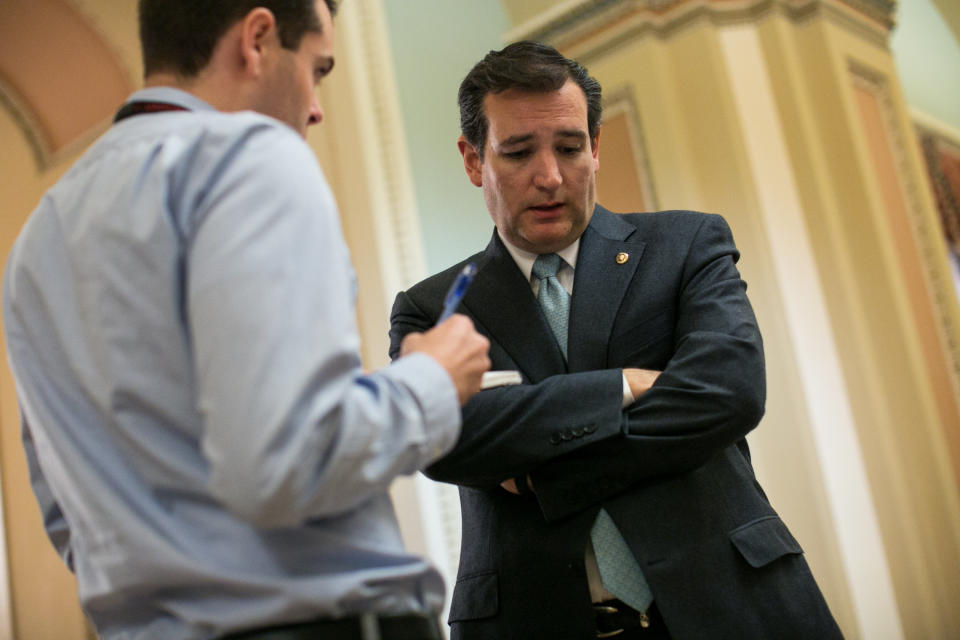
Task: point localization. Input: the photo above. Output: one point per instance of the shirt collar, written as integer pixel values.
(525, 259)
(171, 95)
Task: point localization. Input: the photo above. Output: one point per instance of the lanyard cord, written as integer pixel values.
(137, 108)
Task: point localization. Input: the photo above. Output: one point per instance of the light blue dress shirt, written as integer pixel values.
(205, 448)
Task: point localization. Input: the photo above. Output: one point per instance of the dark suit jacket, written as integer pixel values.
(673, 469)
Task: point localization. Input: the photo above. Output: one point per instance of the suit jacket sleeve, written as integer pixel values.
(510, 430)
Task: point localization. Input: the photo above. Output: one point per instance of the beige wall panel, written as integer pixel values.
(799, 115)
(643, 69)
(870, 310)
(870, 101)
(914, 226)
(618, 187)
(904, 214)
(859, 562)
(522, 10)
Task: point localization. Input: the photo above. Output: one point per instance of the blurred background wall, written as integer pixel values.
(827, 132)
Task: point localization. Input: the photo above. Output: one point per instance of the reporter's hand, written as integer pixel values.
(640, 380)
(458, 348)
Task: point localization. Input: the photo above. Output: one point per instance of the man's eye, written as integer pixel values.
(569, 151)
(516, 155)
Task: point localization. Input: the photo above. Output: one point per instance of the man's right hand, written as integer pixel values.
(459, 349)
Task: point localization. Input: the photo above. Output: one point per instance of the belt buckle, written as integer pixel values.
(602, 608)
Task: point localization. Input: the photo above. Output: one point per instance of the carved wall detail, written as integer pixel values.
(572, 23)
(928, 239)
(617, 103)
(400, 215)
(60, 111)
(942, 155)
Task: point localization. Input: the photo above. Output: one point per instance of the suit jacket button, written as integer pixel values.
(566, 435)
(590, 428)
(578, 432)
(555, 438)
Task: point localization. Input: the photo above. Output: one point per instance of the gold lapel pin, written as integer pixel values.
(622, 257)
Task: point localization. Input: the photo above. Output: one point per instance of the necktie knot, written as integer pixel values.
(546, 266)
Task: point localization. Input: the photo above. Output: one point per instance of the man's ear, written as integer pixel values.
(595, 148)
(258, 35)
(472, 161)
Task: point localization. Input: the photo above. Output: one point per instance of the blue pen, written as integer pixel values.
(457, 290)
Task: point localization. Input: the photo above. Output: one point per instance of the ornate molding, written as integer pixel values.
(928, 238)
(44, 154)
(377, 130)
(575, 22)
(27, 123)
(34, 117)
(398, 218)
(620, 100)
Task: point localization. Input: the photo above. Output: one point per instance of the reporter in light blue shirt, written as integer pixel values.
(207, 453)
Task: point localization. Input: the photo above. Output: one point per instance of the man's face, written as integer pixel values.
(289, 91)
(538, 171)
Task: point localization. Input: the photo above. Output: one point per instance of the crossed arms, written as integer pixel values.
(710, 393)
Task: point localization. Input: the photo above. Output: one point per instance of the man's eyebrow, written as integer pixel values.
(521, 138)
(572, 133)
(516, 139)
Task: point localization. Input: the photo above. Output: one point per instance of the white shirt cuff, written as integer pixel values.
(627, 394)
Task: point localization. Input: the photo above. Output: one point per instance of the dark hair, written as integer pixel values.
(179, 36)
(528, 66)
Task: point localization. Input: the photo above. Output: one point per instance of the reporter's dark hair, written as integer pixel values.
(179, 36)
(528, 66)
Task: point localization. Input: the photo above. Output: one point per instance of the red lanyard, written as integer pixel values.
(136, 108)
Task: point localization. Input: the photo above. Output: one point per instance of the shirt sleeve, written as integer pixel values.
(54, 523)
(293, 429)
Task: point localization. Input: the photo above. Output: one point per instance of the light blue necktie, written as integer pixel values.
(619, 571)
(553, 298)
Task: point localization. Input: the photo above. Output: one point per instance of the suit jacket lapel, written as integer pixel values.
(599, 285)
(501, 300)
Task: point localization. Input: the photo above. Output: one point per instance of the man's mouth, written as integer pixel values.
(547, 209)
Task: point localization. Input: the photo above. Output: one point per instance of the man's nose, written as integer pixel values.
(316, 112)
(547, 172)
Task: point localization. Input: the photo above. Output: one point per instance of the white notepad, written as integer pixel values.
(500, 378)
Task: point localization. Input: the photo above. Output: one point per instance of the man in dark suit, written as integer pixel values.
(611, 493)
